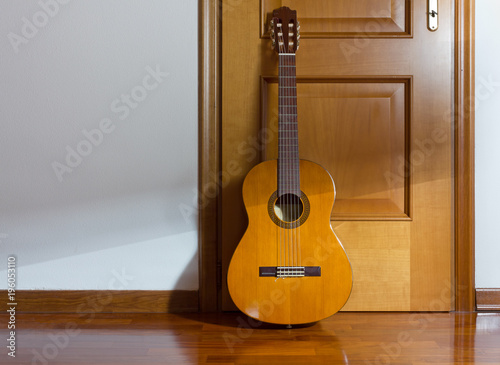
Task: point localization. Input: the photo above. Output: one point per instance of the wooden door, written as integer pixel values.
(375, 109)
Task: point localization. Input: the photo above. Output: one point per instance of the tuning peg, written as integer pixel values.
(271, 23)
(271, 35)
(273, 44)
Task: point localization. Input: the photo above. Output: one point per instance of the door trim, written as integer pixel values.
(464, 156)
(210, 154)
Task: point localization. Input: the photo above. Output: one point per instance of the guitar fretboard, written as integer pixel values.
(288, 137)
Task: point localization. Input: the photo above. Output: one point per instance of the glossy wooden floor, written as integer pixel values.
(346, 338)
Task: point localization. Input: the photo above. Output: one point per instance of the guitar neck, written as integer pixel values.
(288, 137)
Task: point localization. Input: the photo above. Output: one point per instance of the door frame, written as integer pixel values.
(209, 184)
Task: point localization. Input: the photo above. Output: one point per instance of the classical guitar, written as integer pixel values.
(289, 267)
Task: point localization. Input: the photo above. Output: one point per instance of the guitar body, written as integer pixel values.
(309, 241)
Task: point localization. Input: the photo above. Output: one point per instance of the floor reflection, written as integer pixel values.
(232, 338)
(477, 338)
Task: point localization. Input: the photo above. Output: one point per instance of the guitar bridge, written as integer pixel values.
(289, 271)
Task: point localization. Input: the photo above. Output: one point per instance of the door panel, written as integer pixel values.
(356, 129)
(369, 18)
(374, 108)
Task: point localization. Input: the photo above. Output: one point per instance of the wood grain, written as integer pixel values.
(354, 18)
(382, 281)
(488, 299)
(426, 244)
(104, 301)
(464, 172)
(464, 155)
(209, 153)
(359, 154)
(289, 300)
(223, 339)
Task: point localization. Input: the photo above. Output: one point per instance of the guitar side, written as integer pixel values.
(289, 300)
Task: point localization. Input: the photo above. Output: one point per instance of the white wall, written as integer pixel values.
(111, 215)
(487, 144)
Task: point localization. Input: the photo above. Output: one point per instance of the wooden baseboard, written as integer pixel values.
(488, 299)
(103, 301)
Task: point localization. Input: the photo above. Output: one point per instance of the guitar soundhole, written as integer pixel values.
(288, 208)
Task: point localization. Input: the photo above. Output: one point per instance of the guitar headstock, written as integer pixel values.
(284, 30)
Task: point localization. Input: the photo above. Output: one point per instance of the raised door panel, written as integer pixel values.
(344, 18)
(357, 129)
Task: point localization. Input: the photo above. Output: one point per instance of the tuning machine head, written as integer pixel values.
(271, 33)
(298, 34)
(271, 27)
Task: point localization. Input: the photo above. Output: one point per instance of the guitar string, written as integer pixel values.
(289, 169)
(280, 182)
(292, 155)
(286, 156)
(293, 170)
(297, 161)
(289, 196)
(300, 203)
(295, 156)
(280, 159)
(290, 162)
(289, 127)
(287, 159)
